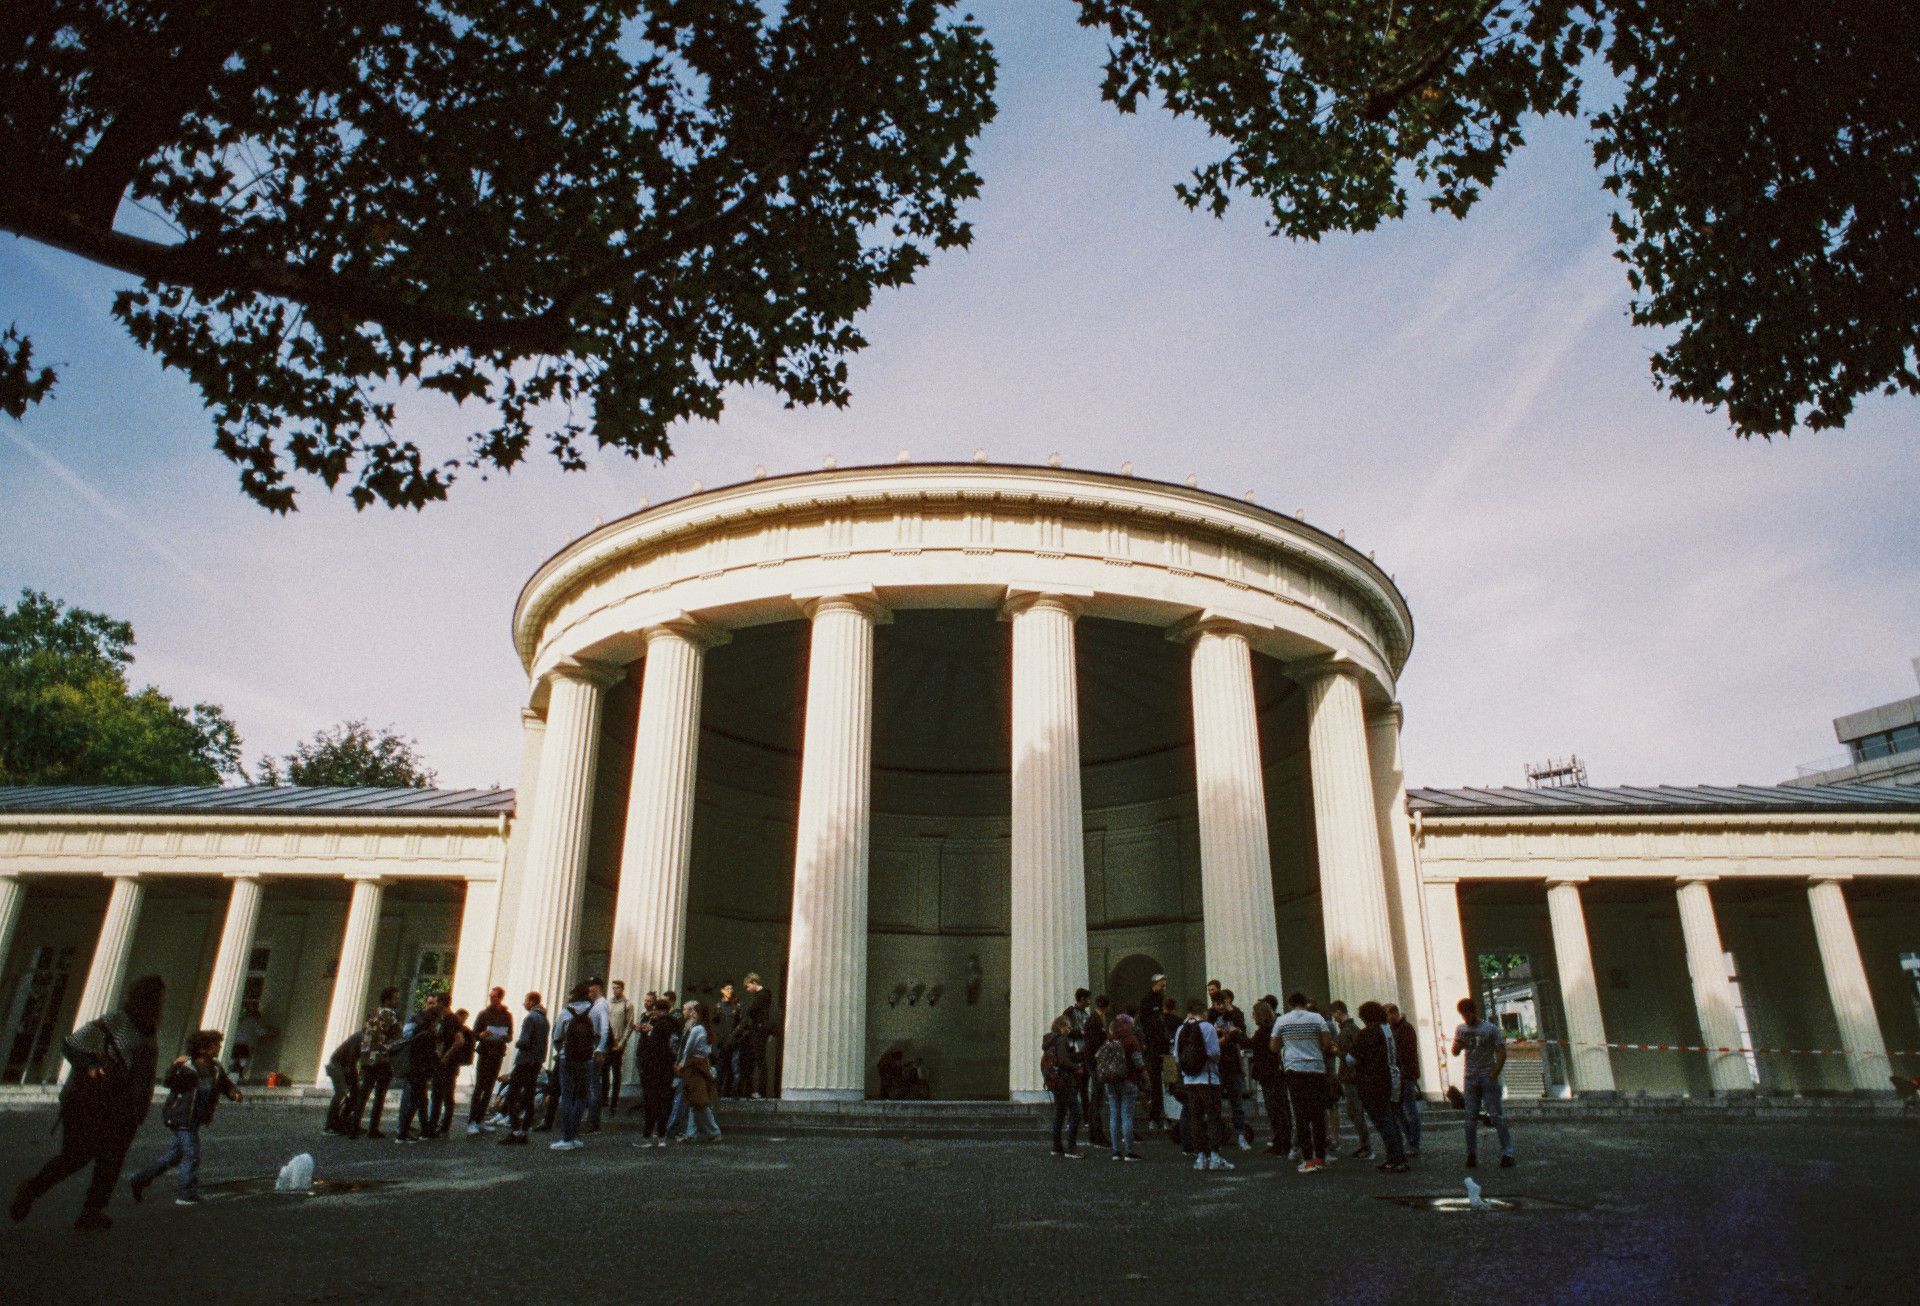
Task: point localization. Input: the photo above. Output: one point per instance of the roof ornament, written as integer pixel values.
(1126, 468)
(830, 462)
(1193, 480)
(979, 455)
(903, 457)
(759, 471)
(1053, 459)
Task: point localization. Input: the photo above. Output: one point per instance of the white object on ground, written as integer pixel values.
(296, 1176)
(1475, 1202)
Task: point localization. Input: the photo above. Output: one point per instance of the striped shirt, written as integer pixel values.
(1299, 1033)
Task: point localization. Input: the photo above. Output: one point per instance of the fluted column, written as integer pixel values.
(348, 1009)
(1406, 912)
(824, 1052)
(1241, 938)
(107, 974)
(1847, 985)
(12, 895)
(1452, 981)
(473, 957)
(554, 878)
(1049, 897)
(533, 735)
(650, 905)
(1353, 896)
(222, 1007)
(1579, 993)
(1712, 994)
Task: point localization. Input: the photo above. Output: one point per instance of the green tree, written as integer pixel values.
(351, 754)
(1768, 176)
(587, 220)
(69, 717)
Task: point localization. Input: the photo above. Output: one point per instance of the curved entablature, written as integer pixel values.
(964, 535)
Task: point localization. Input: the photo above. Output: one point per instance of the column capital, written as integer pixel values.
(1310, 671)
(233, 876)
(532, 719)
(1683, 881)
(1393, 714)
(700, 633)
(843, 598)
(1215, 622)
(1070, 599)
(1566, 881)
(1813, 880)
(596, 675)
(376, 881)
(121, 875)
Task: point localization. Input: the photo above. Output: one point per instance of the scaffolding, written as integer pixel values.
(1552, 774)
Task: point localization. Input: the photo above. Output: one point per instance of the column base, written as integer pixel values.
(822, 1095)
(1029, 1096)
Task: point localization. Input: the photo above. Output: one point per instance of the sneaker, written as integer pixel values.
(1245, 1145)
(514, 1140)
(660, 1142)
(1361, 1154)
(139, 1187)
(1133, 1156)
(1073, 1156)
(1293, 1154)
(1199, 1161)
(565, 1145)
(1218, 1162)
(91, 1220)
(1118, 1157)
(1394, 1167)
(1306, 1167)
(187, 1201)
(473, 1130)
(1506, 1163)
(407, 1138)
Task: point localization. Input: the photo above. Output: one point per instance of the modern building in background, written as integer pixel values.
(929, 747)
(1883, 746)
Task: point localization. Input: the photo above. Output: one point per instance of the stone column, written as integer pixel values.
(1049, 894)
(1712, 994)
(1847, 984)
(12, 895)
(1406, 914)
(473, 958)
(347, 1012)
(1353, 896)
(1242, 940)
(1452, 981)
(108, 973)
(1592, 1064)
(650, 905)
(824, 1056)
(533, 734)
(554, 877)
(221, 1010)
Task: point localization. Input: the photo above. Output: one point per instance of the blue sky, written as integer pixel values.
(1591, 566)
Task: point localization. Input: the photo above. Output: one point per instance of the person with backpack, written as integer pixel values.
(195, 1085)
(1304, 1041)
(1121, 1068)
(579, 1037)
(106, 1097)
(343, 1071)
(1196, 1051)
(1345, 1031)
(1058, 1057)
(529, 1055)
(382, 1030)
(1231, 1024)
(1263, 1064)
(1093, 1035)
(1377, 1082)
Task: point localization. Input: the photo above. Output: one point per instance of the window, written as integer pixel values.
(255, 987)
(1910, 967)
(432, 973)
(1906, 738)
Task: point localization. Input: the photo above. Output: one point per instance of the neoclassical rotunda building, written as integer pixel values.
(929, 747)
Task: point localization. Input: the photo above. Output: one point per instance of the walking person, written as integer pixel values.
(695, 1069)
(382, 1030)
(529, 1055)
(1058, 1057)
(1196, 1051)
(576, 1044)
(343, 1072)
(455, 1054)
(1406, 1048)
(195, 1085)
(613, 1071)
(1304, 1040)
(1377, 1082)
(106, 1097)
(1486, 1052)
(414, 1056)
(492, 1032)
(1121, 1065)
(1345, 1030)
(1264, 1065)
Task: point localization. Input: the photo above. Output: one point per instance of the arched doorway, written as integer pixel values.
(1129, 980)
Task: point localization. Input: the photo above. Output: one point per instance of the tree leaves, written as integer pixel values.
(351, 754)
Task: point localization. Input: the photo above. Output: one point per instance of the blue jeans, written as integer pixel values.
(184, 1153)
(1066, 1112)
(576, 1091)
(1120, 1099)
(1410, 1116)
(595, 1091)
(1386, 1123)
(1483, 1093)
(679, 1120)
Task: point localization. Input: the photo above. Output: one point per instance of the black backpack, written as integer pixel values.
(1190, 1054)
(580, 1039)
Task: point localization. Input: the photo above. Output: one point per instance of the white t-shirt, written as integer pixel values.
(1299, 1033)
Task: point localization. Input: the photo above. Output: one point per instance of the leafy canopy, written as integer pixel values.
(69, 717)
(586, 220)
(351, 754)
(1765, 154)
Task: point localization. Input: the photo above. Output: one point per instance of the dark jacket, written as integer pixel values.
(1092, 1035)
(494, 1016)
(1373, 1067)
(760, 1013)
(118, 1100)
(1263, 1063)
(1155, 1037)
(1406, 1051)
(190, 1099)
(724, 1028)
(530, 1049)
(345, 1059)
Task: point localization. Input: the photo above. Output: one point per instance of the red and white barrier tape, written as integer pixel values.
(1689, 1047)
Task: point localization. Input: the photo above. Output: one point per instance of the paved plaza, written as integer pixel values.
(1640, 1210)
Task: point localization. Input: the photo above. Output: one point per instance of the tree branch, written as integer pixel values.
(1381, 101)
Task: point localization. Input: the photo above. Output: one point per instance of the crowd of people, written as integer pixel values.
(1114, 1071)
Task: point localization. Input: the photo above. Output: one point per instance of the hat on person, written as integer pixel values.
(1156, 979)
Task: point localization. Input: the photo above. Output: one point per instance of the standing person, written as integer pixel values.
(1156, 1041)
(1121, 1065)
(1058, 1057)
(456, 1053)
(602, 1018)
(492, 1031)
(1377, 1083)
(613, 1071)
(1170, 1022)
(695, 1069)
(576, 1043)
(414, 1056)
(1304, 1040)
(250, 1035)
(1230, 1023)
(529, 1055)
(1406, 1048)
(382, 1030)
(195, 1085)
(656, 1073)
(1264, 1065)
(1486, 1050)
(753, 1060)
(1196, 1050)
(106, 1097)
(1345, 1030)
(343, 1071)
(725, 1030)
(1077, 1021)
(1093, 1037)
